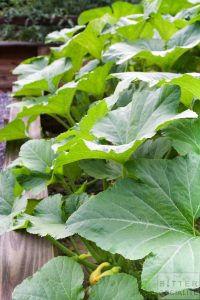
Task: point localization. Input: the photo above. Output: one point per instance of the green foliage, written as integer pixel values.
(124, 85)
(62, 278)
(12, 202)
(47, 218)
(65, 280)
(167, 225)
(123, 287)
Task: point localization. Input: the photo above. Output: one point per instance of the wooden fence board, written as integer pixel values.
(21, 254)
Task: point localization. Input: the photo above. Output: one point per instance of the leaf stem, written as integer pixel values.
(167, 155)
(70, 119)
(72, 184)
(70, 253)
(59, 120)
(66, 186)
(60, 246)
(91, 182)
(91, 250)
(74, 245)
(105, 184)
(123, 171)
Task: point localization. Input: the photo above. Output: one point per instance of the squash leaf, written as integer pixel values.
(157, 215)
(116, 287)
(61, 278)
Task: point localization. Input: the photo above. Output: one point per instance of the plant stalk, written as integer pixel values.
(59, 120)
(72, 185)
(91, 182)
(123, 171)
(70, 119)
(67, 187)
(70, 253)
(74, 245)
(105, 184)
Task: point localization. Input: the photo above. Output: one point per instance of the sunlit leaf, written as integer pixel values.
(46, 79)
(14, 130)
(127, 127)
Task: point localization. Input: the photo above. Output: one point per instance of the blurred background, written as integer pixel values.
(31, 20)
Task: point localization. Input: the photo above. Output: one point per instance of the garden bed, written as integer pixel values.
(115, 117)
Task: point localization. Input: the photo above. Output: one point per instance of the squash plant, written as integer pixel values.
(124, 85)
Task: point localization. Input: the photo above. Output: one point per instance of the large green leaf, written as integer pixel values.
(101, 169)
(122, 8)
(46, 79)
(95, 112)
(151, 6)
(121, 52)
(30, 66)
(167, 6)
(82, 130)
(165, 28)
(184, 135)
(73, 51)
(189, 82)
(15, 130)
(87, 68)
(154, 50)
(116, 287)
(91, 38)
(156, 215)
(153, 148)
(37, 155)
(32, 181)
(95, 81)
(10, 204)
(118, 10)
(59, 279)
(152, 78)
(188, 37)
(127, 127)
(189, 15)
(74, 201)
(59, 103)
(92, 14)
(133, 29)
(139, 119)
(63, 35)
(48, 218)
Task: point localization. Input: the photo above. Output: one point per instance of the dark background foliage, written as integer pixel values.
(39, 11)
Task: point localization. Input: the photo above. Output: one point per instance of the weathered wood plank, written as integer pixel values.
(21, 254)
